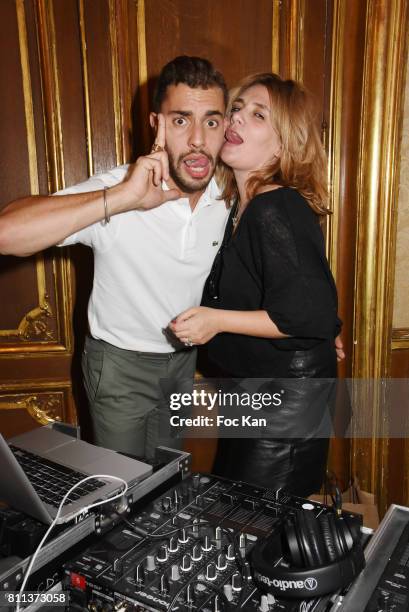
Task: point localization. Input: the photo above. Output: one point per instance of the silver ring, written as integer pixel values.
(188, 342)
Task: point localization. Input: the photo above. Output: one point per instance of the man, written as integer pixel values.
(155, 228)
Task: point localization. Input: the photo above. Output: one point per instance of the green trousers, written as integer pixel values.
(128, 395)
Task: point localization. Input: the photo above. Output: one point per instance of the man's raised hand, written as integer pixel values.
(143, 187)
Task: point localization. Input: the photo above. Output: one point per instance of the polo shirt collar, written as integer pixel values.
(210, 197)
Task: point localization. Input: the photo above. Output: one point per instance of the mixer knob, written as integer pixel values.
(198, 500)
(164, 584)
(218, 537)
(230, 555)
(186, 563)
(207, 545)
(228, 591)
(140, 574)
(174, 573)
(246, 571)
(264, 605)
(190, 595)
(183, 537)
(118, 566)
(166, 504)
(211, 572)
(150, 563)
(195, 527)
(236, 582)
(242, 540)
(196, 553)
(384, 601)
(173, 545)
(271, 599)
(196, 481)
(216, 605)
(221, 562)
(162, 555)
(176, 498)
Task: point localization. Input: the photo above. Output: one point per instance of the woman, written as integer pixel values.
(269, 307)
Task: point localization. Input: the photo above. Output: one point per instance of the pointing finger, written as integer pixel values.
(160, 139)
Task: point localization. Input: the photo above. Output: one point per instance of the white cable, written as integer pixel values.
(84, 509)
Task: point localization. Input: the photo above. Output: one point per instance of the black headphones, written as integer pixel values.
(310, 556)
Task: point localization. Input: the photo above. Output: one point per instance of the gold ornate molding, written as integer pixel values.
(116, 94)
(51, 95)
(295, 42)
(400, 338)
(35, 325)
(384, 65)
(143, 72)
(335, 134)
(28, 97)
(275, 47)
(84, 56)
(43, 407)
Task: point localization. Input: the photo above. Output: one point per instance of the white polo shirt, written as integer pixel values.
(149, 266)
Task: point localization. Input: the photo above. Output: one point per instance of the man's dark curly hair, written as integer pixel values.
(195, 72)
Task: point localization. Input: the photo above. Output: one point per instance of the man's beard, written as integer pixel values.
(185, 184)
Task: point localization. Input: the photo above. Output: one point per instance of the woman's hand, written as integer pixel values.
(196, 325)
(339, 348)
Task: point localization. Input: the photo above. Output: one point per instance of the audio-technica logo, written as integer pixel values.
(309, 583)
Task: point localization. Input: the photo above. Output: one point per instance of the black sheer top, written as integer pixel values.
(275, 261)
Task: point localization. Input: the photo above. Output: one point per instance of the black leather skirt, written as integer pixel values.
(294, 456)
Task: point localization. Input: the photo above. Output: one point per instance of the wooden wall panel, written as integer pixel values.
(124, 16)
(236, 35)
(37, 97)
(99, 75)
(18, 285)
(317, 48)
(14, 176)
(70, 85)
(400, 364)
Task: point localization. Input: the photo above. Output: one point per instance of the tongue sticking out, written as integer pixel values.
(197, 166)
(197, 162)
(232, 137)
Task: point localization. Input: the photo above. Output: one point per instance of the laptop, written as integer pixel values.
(40, 466)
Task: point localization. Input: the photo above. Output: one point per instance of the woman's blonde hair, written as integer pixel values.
(302, 163)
